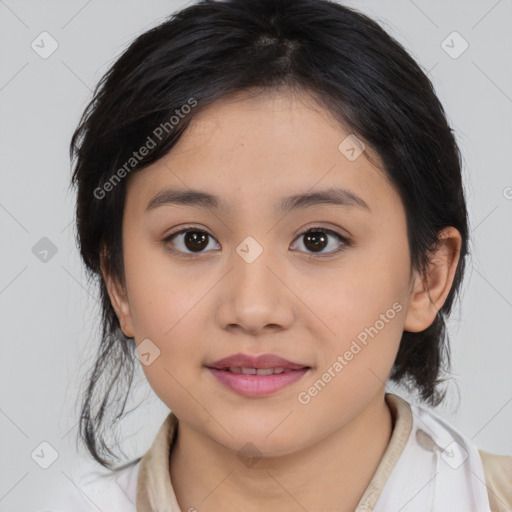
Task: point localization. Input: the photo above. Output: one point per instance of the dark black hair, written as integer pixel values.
(210, 49)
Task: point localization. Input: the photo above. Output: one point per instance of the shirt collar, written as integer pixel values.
(154, 488)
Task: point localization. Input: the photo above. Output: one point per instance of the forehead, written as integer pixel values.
(250, 147)
(273, 122)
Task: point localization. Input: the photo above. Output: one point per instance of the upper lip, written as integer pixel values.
(259, 361)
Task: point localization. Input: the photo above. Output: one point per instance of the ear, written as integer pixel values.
(118, 298)
(429, 290)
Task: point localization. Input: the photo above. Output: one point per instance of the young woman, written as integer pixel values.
(270, 196)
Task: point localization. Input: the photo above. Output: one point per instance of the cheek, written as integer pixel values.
(167, 307)
(170, 316)
(366, 310)
(161, 293)
(364, 306)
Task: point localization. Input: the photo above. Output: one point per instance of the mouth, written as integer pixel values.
(259, 371)
(256, 375)
(249, 364)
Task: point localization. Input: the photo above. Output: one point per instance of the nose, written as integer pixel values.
(254, 297)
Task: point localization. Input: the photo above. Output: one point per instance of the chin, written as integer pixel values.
(256, 441)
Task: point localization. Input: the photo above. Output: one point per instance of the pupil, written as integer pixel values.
(317, 239)
(196, 240)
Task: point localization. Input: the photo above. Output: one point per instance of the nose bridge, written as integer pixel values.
(256, 297)
(252, 277)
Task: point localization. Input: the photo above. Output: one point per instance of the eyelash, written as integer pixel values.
(345, 242)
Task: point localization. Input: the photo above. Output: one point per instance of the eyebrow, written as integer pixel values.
(192, 197)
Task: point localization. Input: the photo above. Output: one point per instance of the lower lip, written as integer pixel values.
(257, 385)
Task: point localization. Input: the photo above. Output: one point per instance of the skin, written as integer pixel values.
(251, 151)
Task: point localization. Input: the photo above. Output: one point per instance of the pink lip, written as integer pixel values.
(260, 361)
(256, 385)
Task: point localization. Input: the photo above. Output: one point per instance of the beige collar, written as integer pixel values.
(154, 488)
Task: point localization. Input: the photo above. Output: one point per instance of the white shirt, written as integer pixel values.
(424, 464)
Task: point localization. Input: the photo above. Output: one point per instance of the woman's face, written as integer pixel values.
(255, 283)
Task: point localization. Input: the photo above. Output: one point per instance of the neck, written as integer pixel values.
(332, 474)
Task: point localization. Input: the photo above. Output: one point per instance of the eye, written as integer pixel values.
(189, 239)
(316, 239)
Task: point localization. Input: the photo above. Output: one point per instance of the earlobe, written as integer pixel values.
(118, 299)
(429, 290)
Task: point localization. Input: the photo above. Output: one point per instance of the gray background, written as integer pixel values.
(49, 314)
